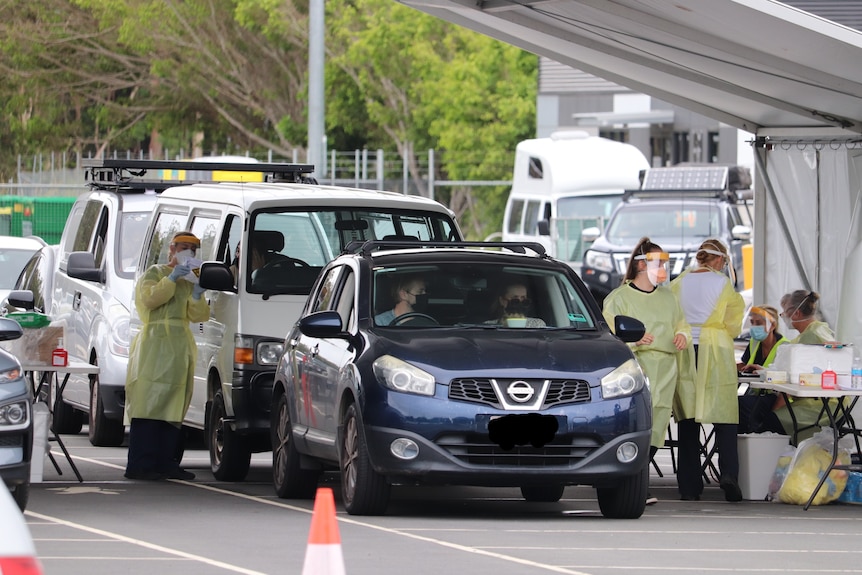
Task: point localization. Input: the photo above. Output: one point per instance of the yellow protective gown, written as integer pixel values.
(162, 355)
(662, 316)
(807, 410)
(707, 392)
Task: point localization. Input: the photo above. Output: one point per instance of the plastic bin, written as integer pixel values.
(41, 423)
(758, 456)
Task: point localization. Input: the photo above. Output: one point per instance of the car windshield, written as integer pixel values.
(11, 264)
(477, 295)
(290, 247)
(661, 223)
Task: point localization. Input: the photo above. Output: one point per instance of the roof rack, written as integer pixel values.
(368, 246)
(158, 175)
(702, 180)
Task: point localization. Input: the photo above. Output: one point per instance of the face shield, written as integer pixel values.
(656, 266)
(760, 330)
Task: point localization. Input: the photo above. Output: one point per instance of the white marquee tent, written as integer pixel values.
(792, 79)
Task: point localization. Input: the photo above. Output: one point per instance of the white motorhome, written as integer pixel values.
(565, 183)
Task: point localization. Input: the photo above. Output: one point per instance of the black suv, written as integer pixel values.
(463, 390)
(678, 208)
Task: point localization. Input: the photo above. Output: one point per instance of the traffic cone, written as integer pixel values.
(323, 554)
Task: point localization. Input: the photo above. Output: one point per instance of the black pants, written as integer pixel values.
(690, 467)
(153, 446)
(756, 415)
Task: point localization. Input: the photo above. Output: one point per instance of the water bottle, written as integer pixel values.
(856, 373)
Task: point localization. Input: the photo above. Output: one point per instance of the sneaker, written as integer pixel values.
(731, 489)
(180, 473)
(651, 499)
(146, 475)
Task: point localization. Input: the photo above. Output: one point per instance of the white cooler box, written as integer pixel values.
(758, 457)
(796, 358)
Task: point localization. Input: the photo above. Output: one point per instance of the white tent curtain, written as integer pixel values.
(817, 188)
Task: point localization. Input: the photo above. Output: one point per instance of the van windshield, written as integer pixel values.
(289, 247)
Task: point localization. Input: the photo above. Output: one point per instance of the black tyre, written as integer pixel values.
(103, 432)
(21, 494)
(230, 456)
(626, 500)
(363, 490)
(288, 478)
(65, 419)
(542, 493)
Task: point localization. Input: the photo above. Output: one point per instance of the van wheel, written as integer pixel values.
(65, 419)
(364, 491)
(288, 477)
(542, 493)
(21, 494)
(230, 456)
(627, 499)
(103, 432)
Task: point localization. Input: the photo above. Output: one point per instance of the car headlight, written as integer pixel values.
(598, 260)
(120, 331)
(13, 374)
(624, 380)
(269, 352)
(401, 376)
(15, 414)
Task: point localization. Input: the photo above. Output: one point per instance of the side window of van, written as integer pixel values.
(206, 227)
(73, 224)
(87, 225)
(535, 169)
(166, 225)
(515, 213)
(100, 239)
(531, 217)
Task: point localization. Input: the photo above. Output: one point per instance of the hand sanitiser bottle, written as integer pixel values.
(60, 357)
(828, 379)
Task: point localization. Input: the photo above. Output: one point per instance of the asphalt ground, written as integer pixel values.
(108, 524)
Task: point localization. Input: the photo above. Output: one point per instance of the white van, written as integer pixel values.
(564, 184)
(296, 228)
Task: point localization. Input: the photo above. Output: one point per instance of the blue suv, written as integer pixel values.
(502, 373)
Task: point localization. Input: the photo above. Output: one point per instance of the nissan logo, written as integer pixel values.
(520, 391)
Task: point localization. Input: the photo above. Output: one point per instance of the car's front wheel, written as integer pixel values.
(543, 493)
(363, 490)
(230, 455)
(288, 477)
(103, 432)
(627, 499)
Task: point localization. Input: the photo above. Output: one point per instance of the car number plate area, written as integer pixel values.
(533, 429)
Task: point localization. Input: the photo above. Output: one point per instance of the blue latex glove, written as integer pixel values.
(197, 290)
(179, 271)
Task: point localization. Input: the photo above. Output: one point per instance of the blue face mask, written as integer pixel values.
(758, 332)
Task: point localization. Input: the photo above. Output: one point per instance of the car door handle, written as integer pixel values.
(76, 300)
(315, 350)
(292, 343)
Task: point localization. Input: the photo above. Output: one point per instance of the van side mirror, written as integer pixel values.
(82, 266)
(589, 235)
(21, 299)
(544, 227)
(217, 276)
(740, 232)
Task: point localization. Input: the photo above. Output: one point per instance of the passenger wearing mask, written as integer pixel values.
(514, 303)
(756, 407)
(162, 363)
(644, 296)
(409, 295)
(708, 377)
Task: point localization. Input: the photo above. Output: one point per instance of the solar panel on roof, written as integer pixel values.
(686, 178)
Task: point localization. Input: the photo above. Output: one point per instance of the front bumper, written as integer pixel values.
(251, 397)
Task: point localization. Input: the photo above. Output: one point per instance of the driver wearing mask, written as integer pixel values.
(409, 295)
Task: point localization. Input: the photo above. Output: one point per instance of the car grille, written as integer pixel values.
(11, 440)
(479, 390)
(475, 449)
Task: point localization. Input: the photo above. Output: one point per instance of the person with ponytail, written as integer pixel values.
(707, 390)
(644, 296)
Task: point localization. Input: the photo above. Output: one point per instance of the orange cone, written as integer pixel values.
(323, 554)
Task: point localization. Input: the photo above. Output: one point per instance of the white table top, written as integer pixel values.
(797, 390)
(73, 367)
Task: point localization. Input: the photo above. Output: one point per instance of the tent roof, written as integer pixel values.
(757, 65)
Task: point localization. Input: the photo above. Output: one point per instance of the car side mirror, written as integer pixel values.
(322, 324)
(21, 298)
(740, 232)
(628, 328)
(589, 235)
(9, 329)
(217, 276)
(82, 266)
(544, 227)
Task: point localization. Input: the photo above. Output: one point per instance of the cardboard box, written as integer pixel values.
(36, 345)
